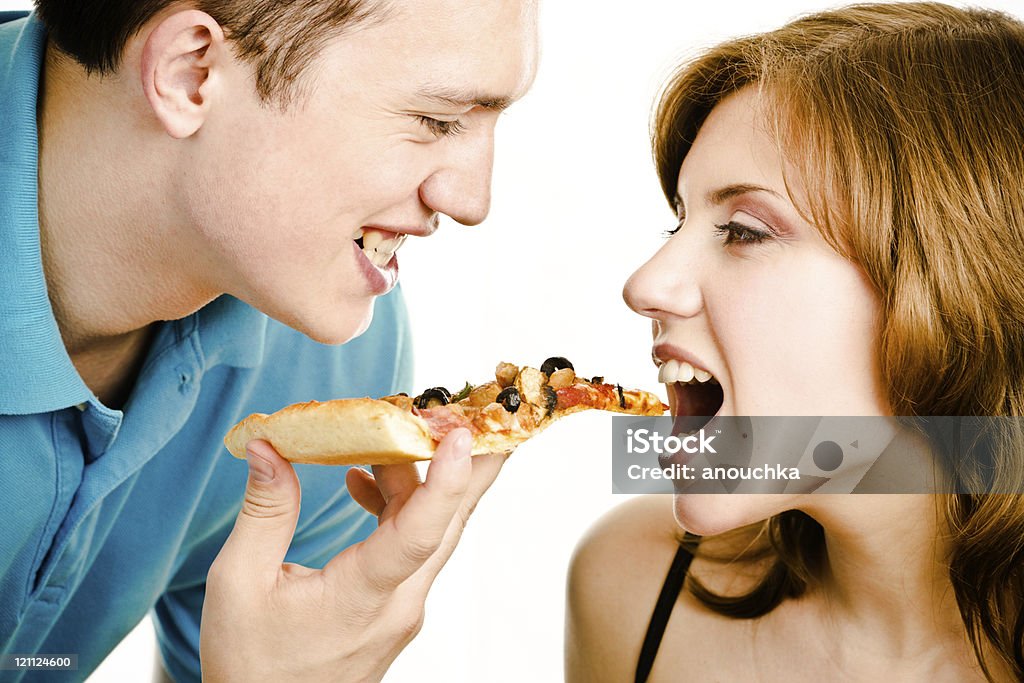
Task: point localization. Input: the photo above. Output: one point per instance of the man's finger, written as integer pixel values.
(363, 489)
(404, 542)
(396, 480)
(485, 471)
(266, 523)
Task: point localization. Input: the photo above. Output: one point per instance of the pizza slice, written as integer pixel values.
(501, 414)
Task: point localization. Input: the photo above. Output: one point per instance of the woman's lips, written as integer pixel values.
(663, 352)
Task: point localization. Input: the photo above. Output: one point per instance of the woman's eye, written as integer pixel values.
(442, 129)
(737, 233)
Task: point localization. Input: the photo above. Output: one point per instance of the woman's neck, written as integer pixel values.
(885, 593)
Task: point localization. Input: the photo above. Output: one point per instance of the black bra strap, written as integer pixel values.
(662, 611)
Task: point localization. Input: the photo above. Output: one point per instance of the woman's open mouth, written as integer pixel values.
(695, 395)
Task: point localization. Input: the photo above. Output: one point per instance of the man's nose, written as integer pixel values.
(461, 188)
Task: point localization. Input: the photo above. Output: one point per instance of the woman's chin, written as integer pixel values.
(709, 514)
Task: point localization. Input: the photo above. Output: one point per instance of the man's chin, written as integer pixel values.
(335, 327)
(341, 332)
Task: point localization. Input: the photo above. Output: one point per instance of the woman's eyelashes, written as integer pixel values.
(440, 128)
(733, 233)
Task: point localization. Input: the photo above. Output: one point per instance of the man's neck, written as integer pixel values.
(110, 370)
(111, 245)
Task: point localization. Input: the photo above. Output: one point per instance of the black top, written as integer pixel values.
(663, 610)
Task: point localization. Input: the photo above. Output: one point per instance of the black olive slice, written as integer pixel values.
(622, 398)
(509, 399)
(551, 400)
(554, 364)
(597, 379)
(432, 398)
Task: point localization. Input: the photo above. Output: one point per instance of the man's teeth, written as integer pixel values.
(380, 250)
(680, 371)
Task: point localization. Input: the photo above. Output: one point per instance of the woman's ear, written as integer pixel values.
(180, 66)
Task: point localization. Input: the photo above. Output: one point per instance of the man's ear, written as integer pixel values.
(179, 70)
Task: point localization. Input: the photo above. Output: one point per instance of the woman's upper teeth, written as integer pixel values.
(673, 371)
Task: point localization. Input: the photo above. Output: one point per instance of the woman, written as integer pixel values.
(850, 235)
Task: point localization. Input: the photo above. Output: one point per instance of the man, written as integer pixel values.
(163, 161)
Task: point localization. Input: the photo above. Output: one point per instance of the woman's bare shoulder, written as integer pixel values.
(643, 523)
(615, 576)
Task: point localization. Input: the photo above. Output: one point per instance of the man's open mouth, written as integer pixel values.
(378, 245)
(694, 393)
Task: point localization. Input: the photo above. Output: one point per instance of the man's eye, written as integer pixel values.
(442, 129)
(737, 233)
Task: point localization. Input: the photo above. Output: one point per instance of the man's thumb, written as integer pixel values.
(266, 523)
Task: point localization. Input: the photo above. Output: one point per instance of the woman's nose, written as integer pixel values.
(668, 284)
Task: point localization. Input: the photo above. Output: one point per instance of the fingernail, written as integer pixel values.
(260, 468)
(463, 445)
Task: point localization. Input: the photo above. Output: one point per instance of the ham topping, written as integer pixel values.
(443, 419)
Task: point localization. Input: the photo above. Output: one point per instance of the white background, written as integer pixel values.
(576, 209)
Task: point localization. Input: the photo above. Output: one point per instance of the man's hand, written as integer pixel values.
(266, 620)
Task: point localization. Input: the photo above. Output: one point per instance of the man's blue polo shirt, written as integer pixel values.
(108, 514)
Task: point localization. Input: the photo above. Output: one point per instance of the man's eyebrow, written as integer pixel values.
(461, 98)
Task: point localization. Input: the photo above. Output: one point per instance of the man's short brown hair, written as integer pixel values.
(277, 37)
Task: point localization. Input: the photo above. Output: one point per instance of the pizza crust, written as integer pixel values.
(351, 431)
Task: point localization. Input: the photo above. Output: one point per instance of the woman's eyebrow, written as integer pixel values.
(724, 194)
(721, 195)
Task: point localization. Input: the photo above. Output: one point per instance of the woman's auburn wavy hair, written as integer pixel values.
(904, 124)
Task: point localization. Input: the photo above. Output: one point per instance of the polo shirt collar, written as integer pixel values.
(36, 373)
